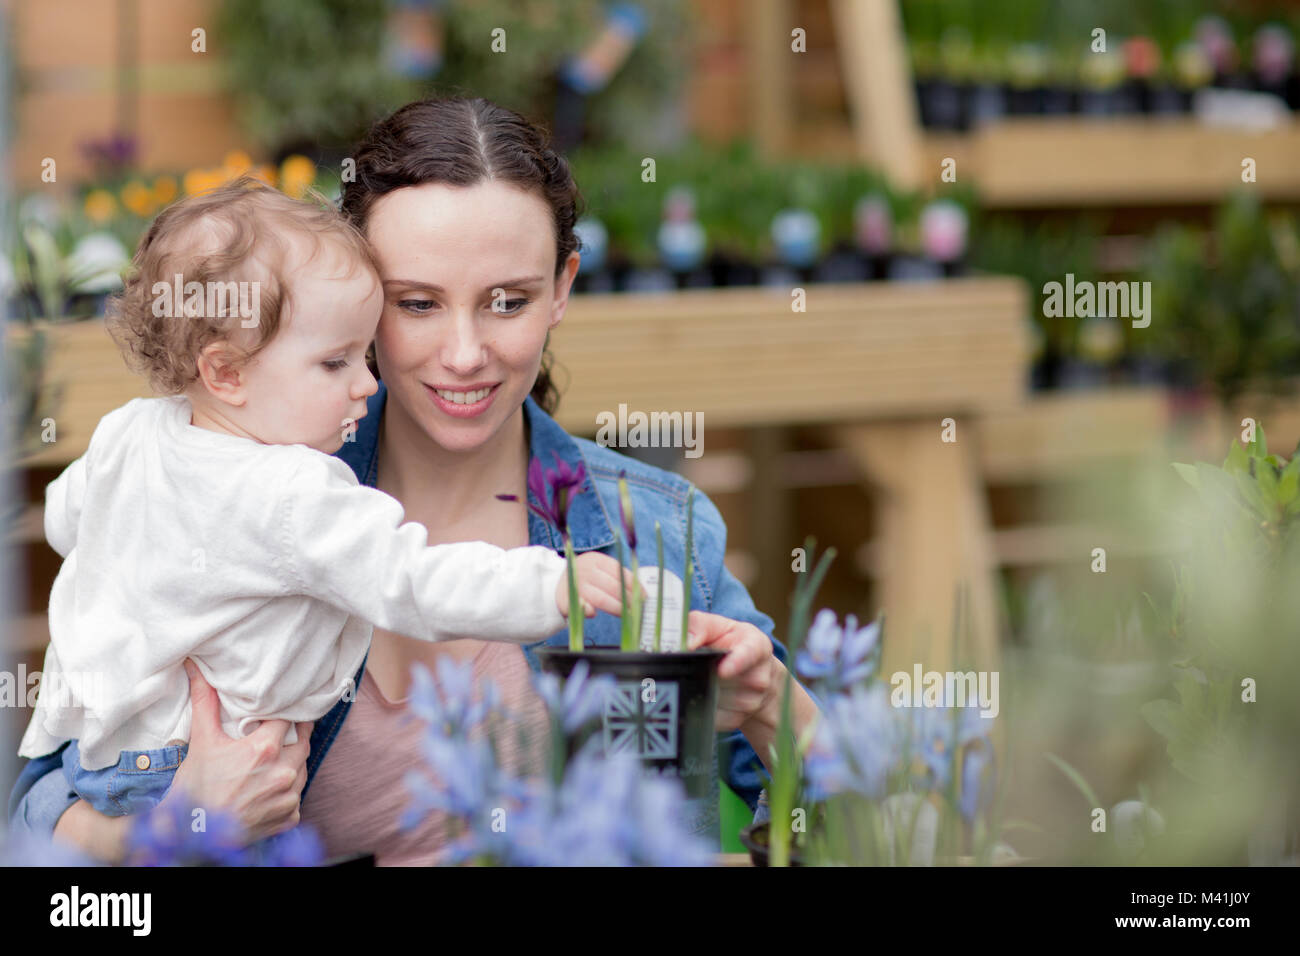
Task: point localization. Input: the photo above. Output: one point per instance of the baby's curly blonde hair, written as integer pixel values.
(239, 232)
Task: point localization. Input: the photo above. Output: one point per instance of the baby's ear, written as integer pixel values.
(219, 365)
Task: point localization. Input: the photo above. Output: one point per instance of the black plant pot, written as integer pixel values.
(1168, 100)
(755, 837)
(1056, 101)
(667, 724)
(985, 103)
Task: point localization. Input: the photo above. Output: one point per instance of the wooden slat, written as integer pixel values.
(1070, 161)
(739, 356)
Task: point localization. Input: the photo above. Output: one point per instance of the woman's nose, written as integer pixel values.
(464, 352)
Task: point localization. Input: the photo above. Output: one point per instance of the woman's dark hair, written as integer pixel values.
(461, 142)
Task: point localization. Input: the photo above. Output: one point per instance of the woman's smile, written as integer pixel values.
(463, 401)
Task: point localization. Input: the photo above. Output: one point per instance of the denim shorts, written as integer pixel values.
(137, 782)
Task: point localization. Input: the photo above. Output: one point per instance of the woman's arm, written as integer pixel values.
(255, 779)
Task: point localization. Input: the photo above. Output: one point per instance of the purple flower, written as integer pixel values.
(300, 846)
(976, 785)
(937, 734)
(449, 703)
(176, 833)
(625, 514)
(857, 745)
(26, 849)
(554, 490)
(606, 813)
(577, 701)
(837, 658)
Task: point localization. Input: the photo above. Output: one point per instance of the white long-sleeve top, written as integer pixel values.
(266, 564)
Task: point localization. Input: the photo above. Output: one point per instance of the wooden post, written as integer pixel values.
(770, 73)
(935, 541)
(878, 82)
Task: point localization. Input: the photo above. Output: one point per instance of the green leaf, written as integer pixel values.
(1260, 445)
(1289, 483)
(1188, 473)
(1076, 778)
(1237, 460)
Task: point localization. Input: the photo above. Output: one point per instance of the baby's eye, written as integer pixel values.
(335, 364)
(418, 306)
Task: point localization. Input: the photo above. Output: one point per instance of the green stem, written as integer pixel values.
(659, 600)
(575, 608)
(622, 594)
(690, 564)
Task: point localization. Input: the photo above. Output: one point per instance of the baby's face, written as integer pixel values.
(309, 386)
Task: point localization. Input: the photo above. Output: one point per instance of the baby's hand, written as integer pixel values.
(598, 587)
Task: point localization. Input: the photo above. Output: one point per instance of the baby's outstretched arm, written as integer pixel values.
(350, 546)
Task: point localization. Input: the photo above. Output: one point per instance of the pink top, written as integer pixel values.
(358, 795)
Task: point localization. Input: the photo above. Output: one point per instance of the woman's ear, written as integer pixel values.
(220, 373)
(563, 283)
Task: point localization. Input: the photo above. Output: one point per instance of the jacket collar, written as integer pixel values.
(589, 523)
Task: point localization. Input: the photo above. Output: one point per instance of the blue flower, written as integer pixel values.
(937, 734)
(606, 813)
(977, 786)
(176, 833)
(449, 703)
(856, 746)
(26, 849)
(300, 846)
(838, 658)
(577, 701)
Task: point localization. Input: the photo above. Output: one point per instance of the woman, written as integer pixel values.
(471, 217)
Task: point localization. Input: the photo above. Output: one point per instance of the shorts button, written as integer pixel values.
(142, 762)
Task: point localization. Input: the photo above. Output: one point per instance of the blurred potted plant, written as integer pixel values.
(1230, 301)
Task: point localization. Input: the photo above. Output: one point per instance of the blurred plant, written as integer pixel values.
(633, 109)
(308, 73)
(1232, 617)
(1230, 303)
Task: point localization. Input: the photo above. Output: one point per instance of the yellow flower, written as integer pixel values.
(297, 174)
(263, 173)
(236, 163)
(138, 198)
(164, 190)
(100, 206)
(201, 180)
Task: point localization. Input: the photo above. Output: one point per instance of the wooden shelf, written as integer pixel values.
(739, 356)
(1143, 161)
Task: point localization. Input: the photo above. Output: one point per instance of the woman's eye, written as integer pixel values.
(509, 306)
(335, 364)
(418, 306)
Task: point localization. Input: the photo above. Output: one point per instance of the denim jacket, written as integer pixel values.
(40, 795)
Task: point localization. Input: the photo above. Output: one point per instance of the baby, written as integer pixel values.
(213, 523)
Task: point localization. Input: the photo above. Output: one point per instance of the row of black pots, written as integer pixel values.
(947, 105)
(843, 263)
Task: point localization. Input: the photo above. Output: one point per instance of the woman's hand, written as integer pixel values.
(256, 779)
(748, 674)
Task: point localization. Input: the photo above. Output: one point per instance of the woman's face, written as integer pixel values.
(469, 295)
